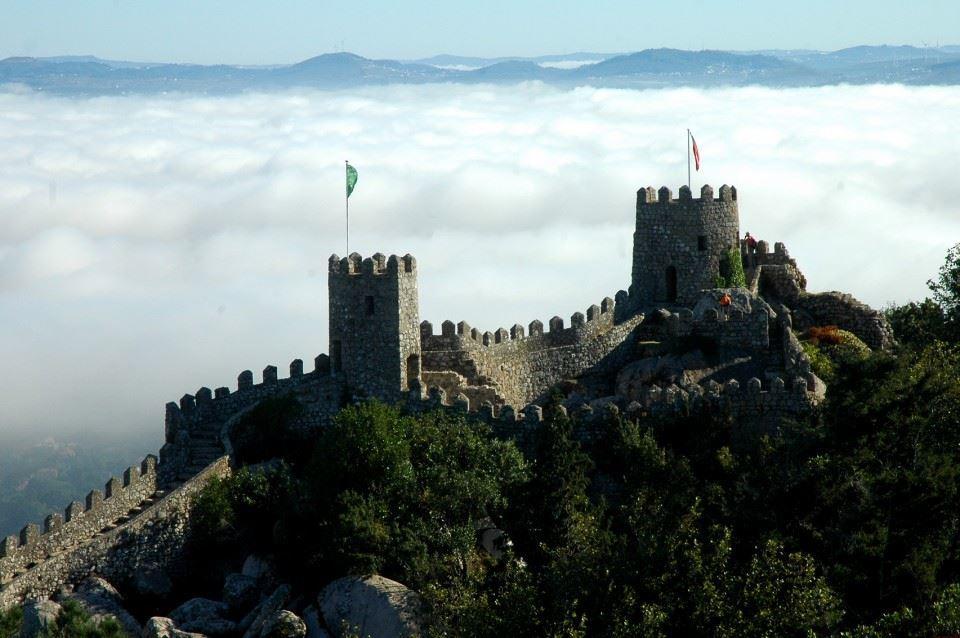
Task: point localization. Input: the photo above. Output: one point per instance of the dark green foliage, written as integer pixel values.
(916, 324)
(946, 288)
(72, 622)
(10, 621)
(731, 270)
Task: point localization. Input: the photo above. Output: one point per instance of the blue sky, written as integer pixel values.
(248, 32)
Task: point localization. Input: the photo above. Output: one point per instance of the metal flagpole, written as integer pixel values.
(346, 189)
(688, 158)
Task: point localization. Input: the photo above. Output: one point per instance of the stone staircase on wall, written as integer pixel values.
(205, 448)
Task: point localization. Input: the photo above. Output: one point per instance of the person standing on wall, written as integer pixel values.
(751, 249)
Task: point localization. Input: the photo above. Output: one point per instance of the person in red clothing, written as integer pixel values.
(751, 249)
(725, 305)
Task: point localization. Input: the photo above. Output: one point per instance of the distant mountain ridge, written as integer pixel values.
(89, 75)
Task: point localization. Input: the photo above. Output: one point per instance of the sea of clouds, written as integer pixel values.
(153, 245)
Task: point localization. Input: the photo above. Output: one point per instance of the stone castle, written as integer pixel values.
(661, 346)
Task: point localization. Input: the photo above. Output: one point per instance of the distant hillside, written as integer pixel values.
(89, 75)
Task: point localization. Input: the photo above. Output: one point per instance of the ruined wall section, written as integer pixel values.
(523, 365)
(154, 536)
(844, 311)
(679, 243)
(79, 521)
(374, 323)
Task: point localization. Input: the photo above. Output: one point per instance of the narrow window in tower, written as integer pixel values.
(702, 243)
(369, 305)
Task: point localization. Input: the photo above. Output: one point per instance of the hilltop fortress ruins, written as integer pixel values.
(660, 346)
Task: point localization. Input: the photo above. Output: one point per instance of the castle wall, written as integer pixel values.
(374, 323)
(205, 412)
(522, 367)
(79, 521)
(678, 243)
(155, 536)
(844, 311)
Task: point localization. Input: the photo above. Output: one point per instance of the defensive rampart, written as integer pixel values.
(79, 522)
(196, 421)
(155, 536)
(523, 365)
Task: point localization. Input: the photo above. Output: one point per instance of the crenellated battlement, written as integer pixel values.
(648, 196)
(79, 521)
(378, 264)
(682, 245)
(780, 398)
(462, 335)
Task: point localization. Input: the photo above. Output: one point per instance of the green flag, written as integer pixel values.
(351, 179)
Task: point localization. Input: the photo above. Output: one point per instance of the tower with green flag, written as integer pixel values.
(351, 184)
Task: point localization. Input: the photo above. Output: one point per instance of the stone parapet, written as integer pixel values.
(79, 522)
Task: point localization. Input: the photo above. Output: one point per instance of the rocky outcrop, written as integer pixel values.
(39, 618)
(240, 592)
(160, 627)
(204, 616)
(101, 600)
(254, 622)
(371, 606)
(284, 624)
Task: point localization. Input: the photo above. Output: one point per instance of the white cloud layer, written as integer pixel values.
(153, 245)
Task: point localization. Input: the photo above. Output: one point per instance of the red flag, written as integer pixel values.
(696, 152)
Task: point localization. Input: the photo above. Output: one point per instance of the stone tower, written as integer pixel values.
(679, 244)
(374, 324)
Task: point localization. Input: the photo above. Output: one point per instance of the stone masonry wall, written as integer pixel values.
(157, 535)
(374, 323)
(681, 240)
(317, 390)
(79, 522)
(524, 366)
(843, 310)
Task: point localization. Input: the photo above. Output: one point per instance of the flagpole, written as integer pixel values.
(346, 172)
(688, 158)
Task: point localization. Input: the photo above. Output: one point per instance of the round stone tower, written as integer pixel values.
(679, 244)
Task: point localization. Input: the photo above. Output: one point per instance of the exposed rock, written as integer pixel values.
(160, 627)
(314, 627)
(240, 592)
(374, 606)
(39, 618)
(740, 299)
(204, 616)
(152, 581)
(284, 624)
(257, 567)
(101, 600)
(255, 620)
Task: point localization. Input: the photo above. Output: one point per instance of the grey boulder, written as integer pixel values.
(370, 606)
(39, 618)
(204, 616)
(101, 600)
(240, 592)
(160, 627)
